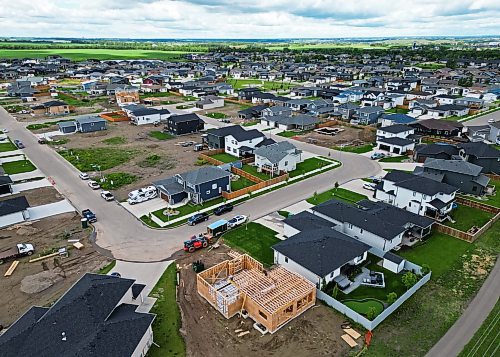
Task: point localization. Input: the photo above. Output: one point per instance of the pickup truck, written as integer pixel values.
(86, 213)
(20, 250)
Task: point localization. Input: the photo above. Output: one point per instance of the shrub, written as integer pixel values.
(409, 279)
(425, 269)
(372, 313)
(391, 297)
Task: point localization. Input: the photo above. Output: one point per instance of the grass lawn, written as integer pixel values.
(117, 179)
(106, 158)
(394, 159)
(187, 209)
(467, 217)
(337, 193)
(269, 85)
(307, 165)
(250, 123)
(397, 111)
(107, 268)
(18, 167)
(489, 200)
(116, 140)
(70, 100)
(290, 133)
(217, 115)
(225, 157)
(487, 339)
(254, 239)
(253, 171)
(7, 146)
(355, 149)
(242, 182)
(157, 95)
(160, 135)
(149, 222)
(363, 307)
(439, 252)
(168, 317)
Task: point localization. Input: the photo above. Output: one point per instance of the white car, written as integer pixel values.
(108, 196)
(236, 221)
(94, 185)
(84, 176)
(5, 130)
(491, 120)
(369, 186)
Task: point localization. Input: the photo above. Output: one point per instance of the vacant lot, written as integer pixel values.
(134, 150)
(350, 136)
(230, 110)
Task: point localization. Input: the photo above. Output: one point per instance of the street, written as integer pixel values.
(122, 236)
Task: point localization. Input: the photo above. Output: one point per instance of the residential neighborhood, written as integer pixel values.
(265, 197)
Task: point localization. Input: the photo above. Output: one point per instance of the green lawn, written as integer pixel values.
(397, 111)
(337, 193)
(242, 182)
(363, 307)
(7, 146)
(168, 322)
(187, 209)
(157, 95)
(84, 102)
(355, 149)
(160, 135)
(394, 159)
(487, 339)
(439, 252)
(251, 123)
(118, 179)
(107, 268)
(254, 239)
(18, 167)
(225, 157)
(253, 171)
(97, 158)
(467, 217)
(217, 115)
(489, 200)
(291, 133)
(83, 54)
(268, 85)
(116, 140)
(284, 213)
(307, 165)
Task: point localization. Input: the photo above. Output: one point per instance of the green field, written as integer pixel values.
(307, 165)
(115, 140)
(97, 158)
(99, 54)
(355, 149)
(338, 193)
(225, 157)
(363, 306)
(117, 179)
(18, 167)
(242, 182)
(268, 85)
(394, 159)
(160, 135)
(7, 146)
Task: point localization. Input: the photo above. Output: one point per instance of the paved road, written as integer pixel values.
(123, 237)
(453, 342)
(483, 120)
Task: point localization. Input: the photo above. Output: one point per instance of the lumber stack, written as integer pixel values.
(12, 267)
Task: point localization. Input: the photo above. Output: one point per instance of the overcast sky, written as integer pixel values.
(247, 19)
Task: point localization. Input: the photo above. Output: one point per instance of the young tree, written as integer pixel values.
(391, 297)
(409, 279)
(372, 313)
(335, 291)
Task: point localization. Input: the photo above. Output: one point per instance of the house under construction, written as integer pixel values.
(271, 298)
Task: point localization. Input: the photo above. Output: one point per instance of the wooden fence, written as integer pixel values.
(327, 123)
(246, 175)
(478, 205)
(208, 156)
(253, 188)
(493, 176)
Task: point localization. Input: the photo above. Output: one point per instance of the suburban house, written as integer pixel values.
(438, 127)
(142, 115)
(96, 317)
(295, 122)
(90, 124)
(367, 115)
(461, 174)
(5, 184)
(448, 110)
(252, 112)
(345, 111)
(210, 102)
(276, 110)
(397, 139)
(481, 154)
(392, 119)
(184, 124)
(416, 194)
(241, 143)
(435, 151)
(52, 107)
(198, 186)
(14, 210)
(277, 158)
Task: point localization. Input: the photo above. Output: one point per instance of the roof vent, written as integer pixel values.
(63, 334)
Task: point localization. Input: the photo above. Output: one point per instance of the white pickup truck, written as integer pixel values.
(19, 250)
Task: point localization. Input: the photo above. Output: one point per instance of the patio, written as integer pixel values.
(366, 277)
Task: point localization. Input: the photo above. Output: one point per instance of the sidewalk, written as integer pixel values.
(19, 187)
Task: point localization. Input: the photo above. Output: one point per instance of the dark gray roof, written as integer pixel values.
(436, 148)
(66, 124)
(204, 174)
(393, 257)
(418, 183)
(396, 129)
(480, 150)
(300, 119)
(88, 315)
(306, 221)
(321, 251)
(13, 205)
(395, 141)
(90, 119)
(4, 180)
(458, 166)
(185, 117)
(277, 151)
(237, 132)
(170, 186)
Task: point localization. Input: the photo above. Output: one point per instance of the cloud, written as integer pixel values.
(247, 19)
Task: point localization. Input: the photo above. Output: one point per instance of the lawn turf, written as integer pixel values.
(466, 217)
(337, 193)
(104, 157)
(18, 167)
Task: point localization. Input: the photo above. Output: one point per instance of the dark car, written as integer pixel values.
(223, 209)
(19, 144)
(197, 218)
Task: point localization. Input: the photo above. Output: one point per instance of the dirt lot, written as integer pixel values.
(207, 333)
(174, 158)
(43, 282)
(350, 136)
(230, 109)
(39, 196)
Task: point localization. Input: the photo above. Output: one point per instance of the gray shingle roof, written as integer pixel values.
(306, 221)
(458, 166)
(418, 183)
(276, 152)
(396, 129)
(204, 174)
(395, 141)
(13, 205)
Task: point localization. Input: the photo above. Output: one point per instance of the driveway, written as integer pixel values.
(50, 209)
(122, 236)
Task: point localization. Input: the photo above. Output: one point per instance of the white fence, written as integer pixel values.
(370, 325)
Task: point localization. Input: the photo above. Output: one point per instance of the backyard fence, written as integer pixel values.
(246, 175)
(479, 205)
(360, 319)
(115, 116)
(253, 188)
(493, 176)
(327, 124)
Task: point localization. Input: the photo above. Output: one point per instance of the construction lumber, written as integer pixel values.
(353, 333)
(243, 333)
(78, 245)
(44, 257)
(238, 330)
(348, 339)
(12, 267)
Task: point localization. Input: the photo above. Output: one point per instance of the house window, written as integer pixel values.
(234, 150)
(208, 192)
(424, 196)
(360, 231)
(286, 259)
(262, 314)
(331, 274)
(350, 226)
(286, 163)
(414, 193)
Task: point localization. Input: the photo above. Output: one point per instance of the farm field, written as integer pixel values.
(100, 54)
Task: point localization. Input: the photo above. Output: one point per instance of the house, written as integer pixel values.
(276, 110)
(198, 186)
(346, 111)
(184, 124)
(13, 211)
(436, 151)
(438, 127)
(494, 134)
(52, 107)
(298, 104)
(261, 97)
(481, 154)
(90, 124)
(295, 122)
(96, 317)
(210, 102)
(367, 115)
(5, 184)
(416, 194)
(397, 139)
(242, 143)
(67, 127)
(461, 174)
(252, 112)
(447, 110)
(392, 119)
(247, 93)
(141, 115)
(277, 158)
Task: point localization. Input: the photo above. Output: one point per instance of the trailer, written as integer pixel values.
(216, 229)
(142, 195)
(20, 250)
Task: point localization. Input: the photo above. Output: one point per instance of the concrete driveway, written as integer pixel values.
(122, 236)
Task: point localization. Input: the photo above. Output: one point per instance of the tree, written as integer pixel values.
(409, 279)
(372, 313)
(391, 297)
(425, 269)
(451, 63)
(335, 291)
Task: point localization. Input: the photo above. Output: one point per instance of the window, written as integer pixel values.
(331, 274)
(360, 231)
(414, 193)
(474, 188)
(234, 150)
(262, 314)
(286, 163)
(424, 196)
(350, 226)
(208, 192)
(286, 259)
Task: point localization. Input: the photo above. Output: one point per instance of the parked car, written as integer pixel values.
(223, 209)
(94, 185)
(116, 274)
(84, 176)
(491, 120)
(369, 186)
(19, 144)
(42, 141)
(91, 217)
(236, 221)
(108, 196)
(377, 155)
(197, 218)
(5, 130)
